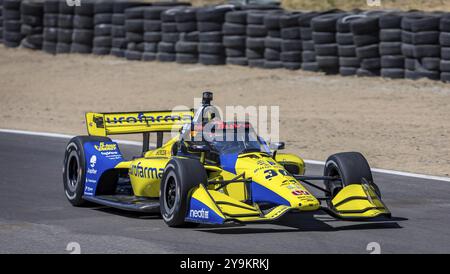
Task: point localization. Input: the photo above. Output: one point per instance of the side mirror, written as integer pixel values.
(277, 146)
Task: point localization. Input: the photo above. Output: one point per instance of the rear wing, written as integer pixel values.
(103, 124)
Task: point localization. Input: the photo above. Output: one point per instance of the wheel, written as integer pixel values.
(350, 168)
(74, 168)
(180, 176)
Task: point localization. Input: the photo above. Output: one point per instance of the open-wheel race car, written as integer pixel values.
(199, 176)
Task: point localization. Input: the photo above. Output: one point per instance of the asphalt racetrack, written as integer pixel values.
(35, 216)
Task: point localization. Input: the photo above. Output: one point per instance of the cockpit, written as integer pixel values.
(225, 137)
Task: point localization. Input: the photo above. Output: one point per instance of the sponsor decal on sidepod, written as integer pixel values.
(110, 151)
(92, 163)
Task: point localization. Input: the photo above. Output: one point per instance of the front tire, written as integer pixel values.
(180, 177)
(74, 168)
(350, 168)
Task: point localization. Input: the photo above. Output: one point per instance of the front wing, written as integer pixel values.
(213, 207)
(353, 202)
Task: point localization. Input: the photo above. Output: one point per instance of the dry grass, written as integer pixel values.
(206, 2)
(429, 5)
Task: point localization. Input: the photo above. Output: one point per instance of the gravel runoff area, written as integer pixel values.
(397, 124)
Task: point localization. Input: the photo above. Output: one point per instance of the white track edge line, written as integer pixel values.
(393, 172)
(314, 162)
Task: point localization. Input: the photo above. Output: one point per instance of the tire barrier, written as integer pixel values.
(309, 62)
(103, 13)
(169, 36)
(83, 28)
(444, 41)
(257, 33)
(32, 14)
(420, 46)
(134, 33)
(291, 42)
(392, 59)
(256, 36)
(272, 42)
(209, 23)
(391, 44)
(348, 61)
(186, 47)
(51, 10)
(118, 31)
(65, 27)
(324, 37)
(1, 21)
(234, 37)
(11, 23)
(366, 38)
(152, 32)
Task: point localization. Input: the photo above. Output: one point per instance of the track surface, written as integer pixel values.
(35, 216)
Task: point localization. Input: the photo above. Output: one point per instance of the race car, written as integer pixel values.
(198, 176)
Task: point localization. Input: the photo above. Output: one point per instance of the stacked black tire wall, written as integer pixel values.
(445, 48)
(1, 21)
(234, 37)
(65, 27)
(32, 14)
(394, 44)
(152, 32)
(309, 62)
(348, 61)
(291, 44)
(272, 43)
(256, 38)
(103, 12)
(392, 59)
(11, 23)
(51, 9)
(209, 24)
(83, 28)
(187, 45)
(118, 31)
(366, 37)
(420, 37)
(134, 27)
(169, 36)
(325, 46)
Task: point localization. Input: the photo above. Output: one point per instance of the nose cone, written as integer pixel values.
(281, 186)
(308, 203)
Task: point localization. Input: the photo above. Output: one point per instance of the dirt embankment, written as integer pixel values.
(402, 124)
(427, 5)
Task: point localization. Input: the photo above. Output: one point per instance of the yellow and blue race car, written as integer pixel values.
(201, 178)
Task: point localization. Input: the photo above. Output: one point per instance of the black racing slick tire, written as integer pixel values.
(180, 177)
(74, 168)
(350, 168)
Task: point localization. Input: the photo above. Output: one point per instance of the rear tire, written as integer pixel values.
(74, 168)
(180, 177)
(351, 168)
